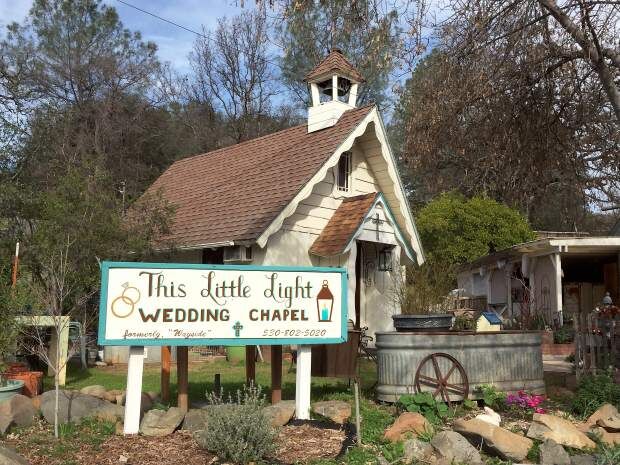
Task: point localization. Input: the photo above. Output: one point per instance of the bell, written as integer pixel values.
(344, 85)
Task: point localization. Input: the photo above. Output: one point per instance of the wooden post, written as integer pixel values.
(165, 374)
(15, 266)
(276, 374)
(182, 378)
(302, 382)
(217, 384)
(135, 367)
(250, 364)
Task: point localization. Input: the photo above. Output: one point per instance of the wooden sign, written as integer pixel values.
(157, 304)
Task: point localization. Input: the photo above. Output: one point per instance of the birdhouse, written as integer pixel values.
(488, 321)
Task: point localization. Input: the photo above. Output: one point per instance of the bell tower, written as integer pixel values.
(333, 87)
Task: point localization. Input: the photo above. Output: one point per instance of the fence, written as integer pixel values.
(597, 343)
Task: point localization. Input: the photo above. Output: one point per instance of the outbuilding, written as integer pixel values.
(552, 278)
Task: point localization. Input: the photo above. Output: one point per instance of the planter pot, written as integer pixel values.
(31, 380)
(12, 387)
(412, 323)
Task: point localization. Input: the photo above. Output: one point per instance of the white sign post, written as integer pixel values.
(170, 304)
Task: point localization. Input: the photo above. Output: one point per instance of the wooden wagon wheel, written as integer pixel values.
(440, 381)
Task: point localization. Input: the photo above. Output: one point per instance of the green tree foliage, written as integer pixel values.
(367, 35)
(458, 230)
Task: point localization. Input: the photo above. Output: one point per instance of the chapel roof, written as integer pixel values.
(335, 61)
(343, 224)
(234, 193)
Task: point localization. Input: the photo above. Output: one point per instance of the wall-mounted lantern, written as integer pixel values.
(385, 259)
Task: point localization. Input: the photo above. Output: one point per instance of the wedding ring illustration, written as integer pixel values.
(124, 304)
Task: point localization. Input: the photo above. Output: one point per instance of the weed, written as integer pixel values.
(423, 402)
(594, 391)
(393, 451)
(533, 455)
(608, 455)
(361, 456)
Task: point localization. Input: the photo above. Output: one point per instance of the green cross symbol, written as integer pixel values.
(237, 327)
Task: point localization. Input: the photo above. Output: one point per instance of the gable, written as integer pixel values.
(377, 171)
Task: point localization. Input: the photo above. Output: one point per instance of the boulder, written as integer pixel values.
(154, 396)
(453, 447)
(611, 439)
(195, 420)
(603, 412)
(161, 422)
(337, 411)
(10, 457)
(110, 412)
(73, 406)
(95, 391)
(16, 411)
(407, 424)
(490, 416)
(582, 459)
(551, 453)
(562, 431)
(146, 403)
(281, 413)
(496, 440)
(415, 451)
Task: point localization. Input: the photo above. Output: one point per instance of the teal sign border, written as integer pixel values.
(103, 304)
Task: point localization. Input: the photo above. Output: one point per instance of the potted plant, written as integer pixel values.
(9, 387)
(423, 298)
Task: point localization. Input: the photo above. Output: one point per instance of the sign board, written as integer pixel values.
(156, 304)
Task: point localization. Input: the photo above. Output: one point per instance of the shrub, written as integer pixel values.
(238, 431)
(563, 336)
(492, 397)
(594, 391)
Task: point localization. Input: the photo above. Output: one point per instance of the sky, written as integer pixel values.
(174, 43)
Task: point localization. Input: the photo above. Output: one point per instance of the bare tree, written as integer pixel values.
(55, 315)
(233, 72)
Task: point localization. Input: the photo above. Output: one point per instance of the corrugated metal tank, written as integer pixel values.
(508, 360)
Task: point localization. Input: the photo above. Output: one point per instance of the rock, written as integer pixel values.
(73, 406)
(611, 424)
(416, 450)
(120, 399)
(551, 453)
(99, 363)
(110, 412)
(154, 396)
(337, 411)
(123, 459)
(281, 413)
(608, 438)
(582, 459)
(490, 416)
(452, 446)
(95, 391)
(604, 411)
(10, 457)
(195, 420)
(161, 422)
(408, 423)
(16, 411)
(109, 397)
(381, 460)
(146, 403)
(561, 431)
(119, 428)
(499, 441)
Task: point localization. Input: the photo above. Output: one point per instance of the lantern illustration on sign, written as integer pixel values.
(325, 303)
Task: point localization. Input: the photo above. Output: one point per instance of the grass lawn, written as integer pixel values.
(201, 375)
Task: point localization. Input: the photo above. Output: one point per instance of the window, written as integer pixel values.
(344, 172)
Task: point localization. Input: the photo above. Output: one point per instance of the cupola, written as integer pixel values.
(333, 87)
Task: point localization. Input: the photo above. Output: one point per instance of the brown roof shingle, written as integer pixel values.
(342, 225)
(234, 193)
(335, 61)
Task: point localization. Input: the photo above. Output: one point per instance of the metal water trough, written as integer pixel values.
(508, 360)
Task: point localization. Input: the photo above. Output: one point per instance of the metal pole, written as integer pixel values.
(358, 419)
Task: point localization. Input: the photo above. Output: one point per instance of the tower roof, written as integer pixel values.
(335, 61)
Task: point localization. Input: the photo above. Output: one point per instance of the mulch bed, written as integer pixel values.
(297, 443)
(302, 442)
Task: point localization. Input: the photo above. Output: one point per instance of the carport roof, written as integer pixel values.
(547, 246)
